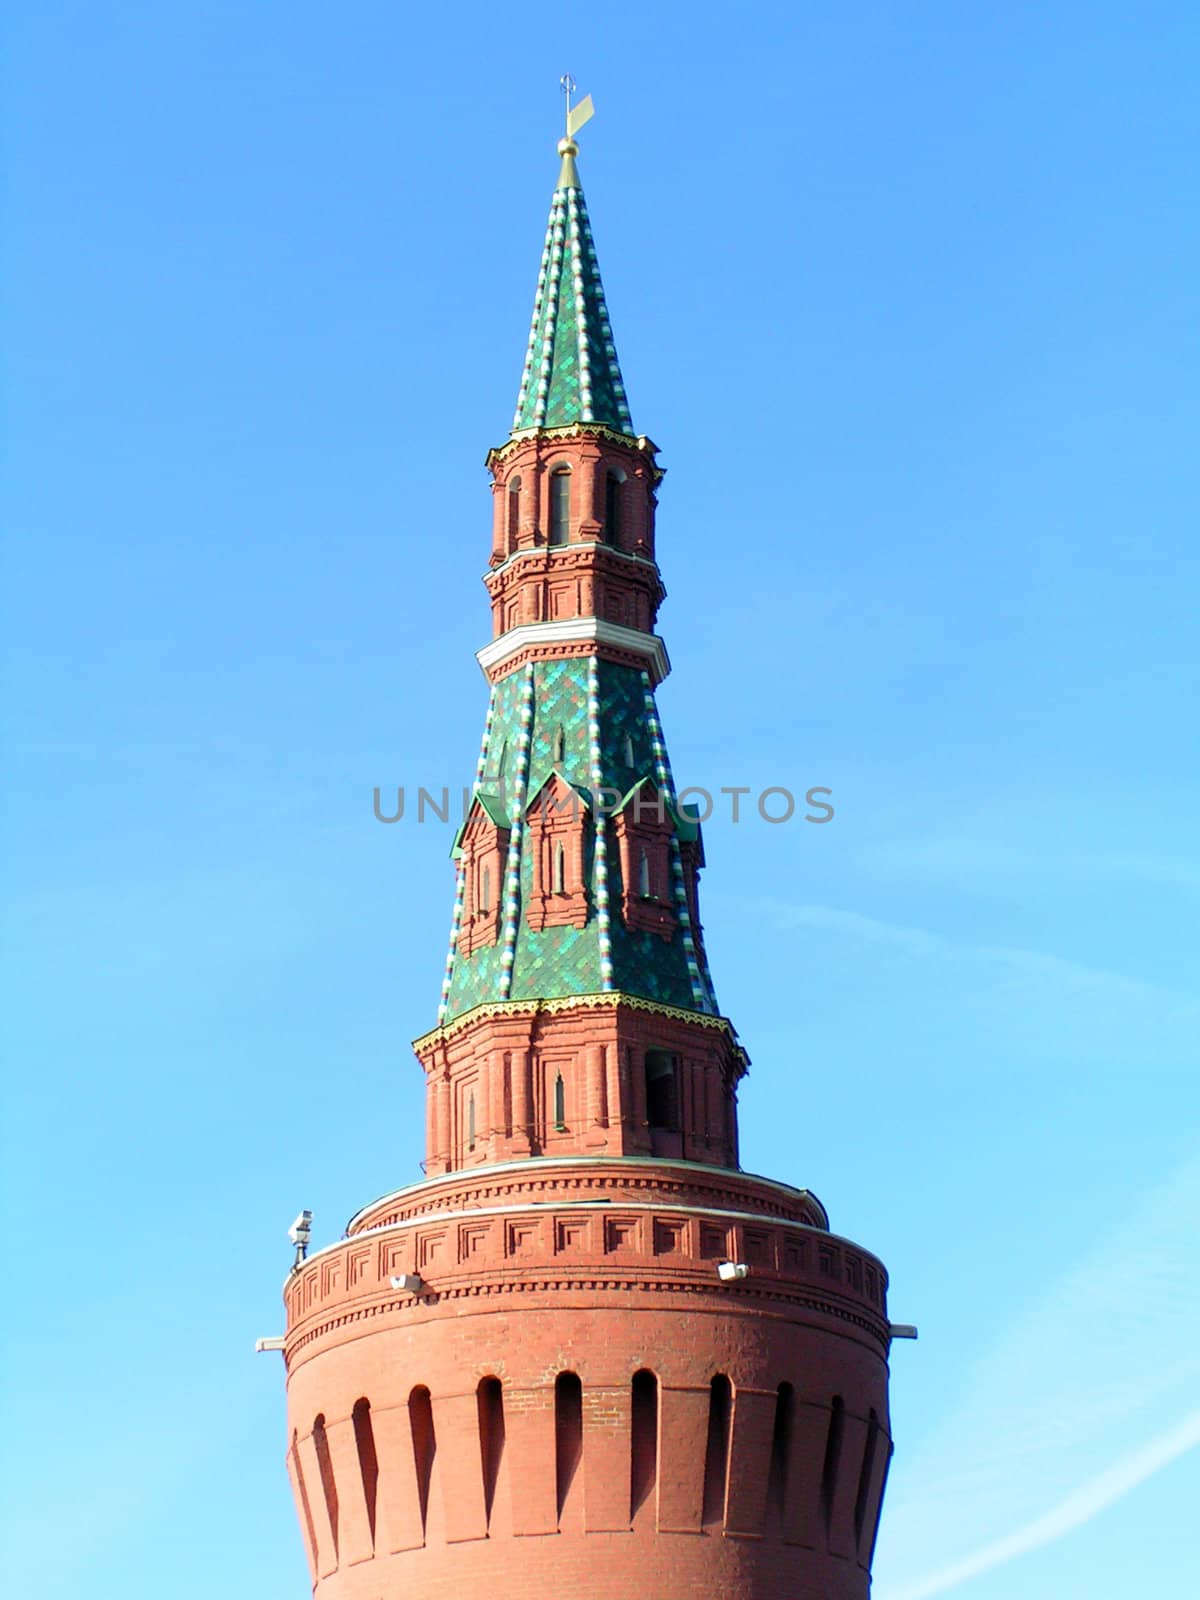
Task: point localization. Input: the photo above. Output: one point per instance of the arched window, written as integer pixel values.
(614, 497)
(833, 1452)
(560, 869)
(470, 1122)
(560, 742)
(490, 1400)
(485, 889)
(781, 1443)
(424, 1442)
(716, 1455)
(368, 1462)
(643, 1439)
(568, 1433)
(560, 1104)
(628, 749)
(328, 1486)
(864, 1477)
(644, 874)
(560, 505)
(514, 510)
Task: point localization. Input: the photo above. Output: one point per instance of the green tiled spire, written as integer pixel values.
(595, 724)
(571, 371)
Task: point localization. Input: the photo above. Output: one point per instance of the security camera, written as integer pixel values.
(410, 1282)
(301, 1230)
(732, 1271)
(902, 1330)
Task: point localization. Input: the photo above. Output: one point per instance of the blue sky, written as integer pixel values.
(907, 296)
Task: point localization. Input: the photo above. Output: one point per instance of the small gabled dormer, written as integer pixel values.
(558, 824)
(482, 849)
(644, 824)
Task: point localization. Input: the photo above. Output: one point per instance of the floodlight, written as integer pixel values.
(732, 1271)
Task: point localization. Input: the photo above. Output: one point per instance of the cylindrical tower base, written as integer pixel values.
(563, 1395)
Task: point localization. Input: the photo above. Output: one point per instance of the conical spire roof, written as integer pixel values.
(571, 370)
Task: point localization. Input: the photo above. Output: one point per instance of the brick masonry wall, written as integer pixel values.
(764, 1483)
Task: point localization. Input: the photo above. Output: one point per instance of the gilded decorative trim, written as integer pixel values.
(570, 1002)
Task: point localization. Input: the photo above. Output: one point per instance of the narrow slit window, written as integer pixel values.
(560, 869)
(368, 1461)
(560, 743)
(864, 1478)
(833, 1451)
(643, 1438)
(490, 1401)
(628, 749)
(781, 1442)
(514, 510)
(644, 880)
(560, 505)
(568, 1433)
(485, 890)
(716, 1454)
(328, 1486)
(424, 1442)
(470, 1122)
(560, 1104)
(613, 508)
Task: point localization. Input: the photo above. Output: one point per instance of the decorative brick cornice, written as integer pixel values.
(498, 457)
(575, 636)
(572, 1247)
(574, 1002)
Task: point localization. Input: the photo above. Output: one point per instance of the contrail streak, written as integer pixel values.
(1080, 1507)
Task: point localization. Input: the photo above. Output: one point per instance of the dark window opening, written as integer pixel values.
(560, 1104)
(864, 1478)
(781, 1442)
(328, 1486)
(716, 1454)
(368, 1461)
(643, 1441)
(568, 1433)
(490, 1399)
(662, 1107)
(613, 508)
(424, 1441)
(833, 1451)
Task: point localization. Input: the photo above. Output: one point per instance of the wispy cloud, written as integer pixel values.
(1073, 1512)
(1036, 1000)
(1085, 1375)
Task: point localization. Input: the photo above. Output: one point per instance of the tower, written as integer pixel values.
(587, 1355)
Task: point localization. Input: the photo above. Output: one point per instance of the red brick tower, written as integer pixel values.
(588, 1356)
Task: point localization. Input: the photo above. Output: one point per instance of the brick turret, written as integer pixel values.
(587, 1355)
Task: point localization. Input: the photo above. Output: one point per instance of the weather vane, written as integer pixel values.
(576, 115)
